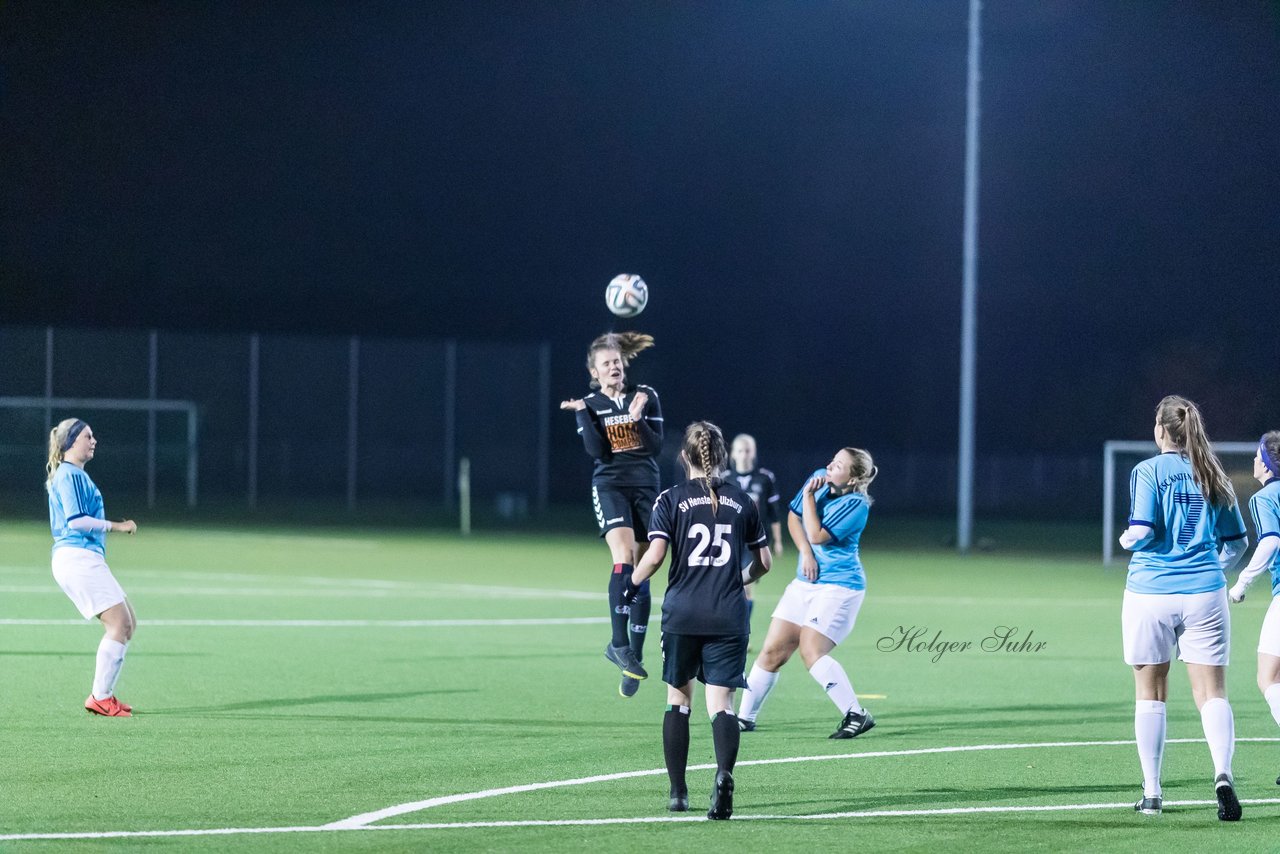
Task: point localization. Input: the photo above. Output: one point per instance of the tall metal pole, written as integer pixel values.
(450, 419)
(544, 425)
(252, 474)
(353, 418)
(969, 322)
(153, 380)
(48, 384)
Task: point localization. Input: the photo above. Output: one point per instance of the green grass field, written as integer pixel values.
(291, 681)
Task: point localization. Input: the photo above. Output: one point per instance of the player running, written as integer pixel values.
(1184, 530)
(1265, 507)
(79, 524)
(762, 486)
(708, 525)
(621, 428)
(818, 609)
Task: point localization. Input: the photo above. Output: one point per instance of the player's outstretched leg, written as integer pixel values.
(759, 683)
(675, 749)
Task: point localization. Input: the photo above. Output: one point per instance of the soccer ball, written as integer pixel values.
(627, 295)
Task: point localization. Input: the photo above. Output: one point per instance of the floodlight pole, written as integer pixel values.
(969, 321)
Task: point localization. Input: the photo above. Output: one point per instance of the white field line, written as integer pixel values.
(595, 822)
(331, 624)
(339, 586)
(328, 592)
(416, 806)
(359, 823)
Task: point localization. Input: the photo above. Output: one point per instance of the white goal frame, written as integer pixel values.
(148, 405)
(1109, 450)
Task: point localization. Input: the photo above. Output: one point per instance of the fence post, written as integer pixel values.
(253, 421)
(353, 418)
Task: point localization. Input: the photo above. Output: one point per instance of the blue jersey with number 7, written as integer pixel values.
(1182, 556)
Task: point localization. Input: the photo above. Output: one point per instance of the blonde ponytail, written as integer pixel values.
(57, 439)
(863, 472)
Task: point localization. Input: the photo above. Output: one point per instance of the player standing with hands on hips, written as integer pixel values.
(621, 429)
(1265, 508)
(1184, 530)
(80, 526)
(820, 605)
(708, 526)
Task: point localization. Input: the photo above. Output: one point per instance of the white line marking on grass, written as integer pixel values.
(331, 624)
(361, 822)
(442, 592)
(416, 806)
(593, 822)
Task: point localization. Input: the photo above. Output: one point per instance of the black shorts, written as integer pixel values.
(624, 507)
(711, 659)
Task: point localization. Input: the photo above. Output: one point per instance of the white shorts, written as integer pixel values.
(87, 580)
(1197, 624)
(1269, 640)
(827, 608)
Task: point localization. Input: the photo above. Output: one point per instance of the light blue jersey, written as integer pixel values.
(1182, 554)
(1264, 506)
(843, 517)
(72, 494)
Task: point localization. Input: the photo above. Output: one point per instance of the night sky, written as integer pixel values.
(787, 176)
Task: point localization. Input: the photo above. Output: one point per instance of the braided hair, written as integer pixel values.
(704, 444)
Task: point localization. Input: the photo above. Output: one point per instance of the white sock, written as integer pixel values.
(1220, 731)
(831, 676)
(110, 660)
(1149, 728)
(759, 683)
(1272, 695)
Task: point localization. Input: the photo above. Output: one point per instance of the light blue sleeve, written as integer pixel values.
(797, 503)
(71, 496)
(1144, 498)
(1266, 517)
(847, 518)
(1230, 524)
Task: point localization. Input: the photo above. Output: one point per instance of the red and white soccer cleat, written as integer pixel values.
(110, 707)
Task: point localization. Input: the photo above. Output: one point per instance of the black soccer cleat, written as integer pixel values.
(679, 801)
(626, 661)
(628, 687)
(721, 797)
(1149, 806)
(854, 725)
(745, 725)
(1228, 803)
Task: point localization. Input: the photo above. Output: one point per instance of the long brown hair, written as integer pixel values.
(704, 446)
(1184, 426)
(628, 344)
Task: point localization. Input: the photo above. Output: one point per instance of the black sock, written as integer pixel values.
(725, 733)
(639, 619)
(675, 746)
(618, 613)
(751, 606)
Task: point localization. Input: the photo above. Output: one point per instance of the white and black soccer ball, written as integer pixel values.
(626, 295)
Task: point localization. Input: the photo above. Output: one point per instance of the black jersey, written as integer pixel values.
(762, 486)
(704, 591)
(625, 450)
